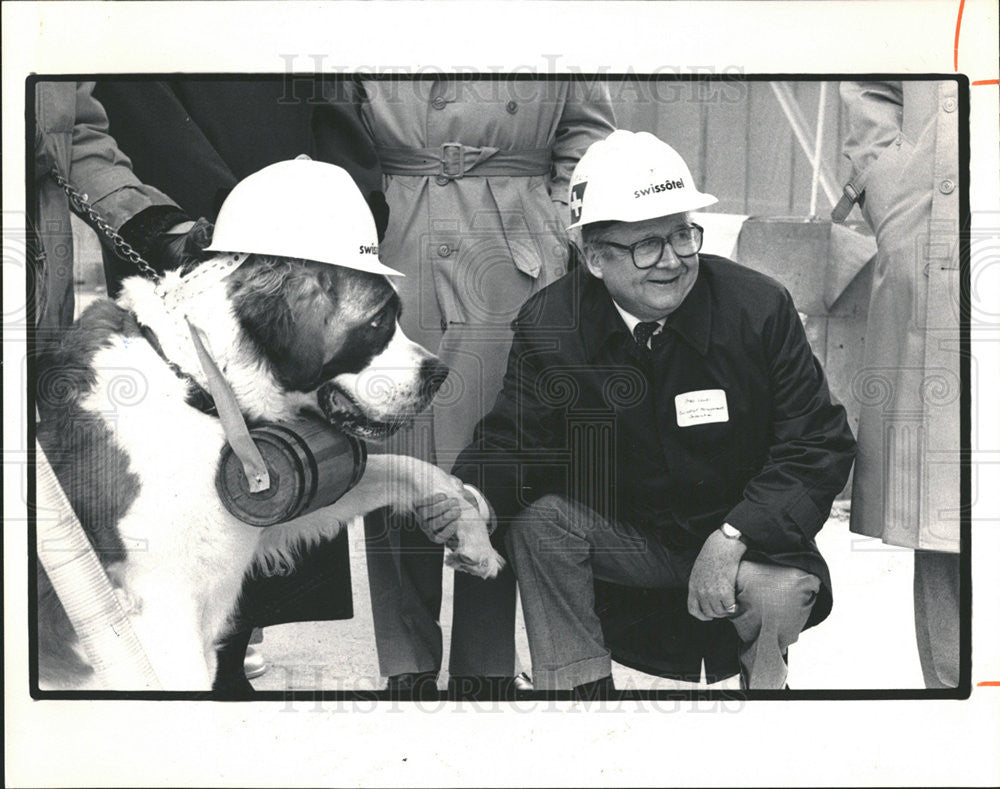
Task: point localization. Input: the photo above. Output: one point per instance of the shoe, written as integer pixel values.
(478, 688)
(413, 686)
(253, 663)
(233, 689)
(602, 689)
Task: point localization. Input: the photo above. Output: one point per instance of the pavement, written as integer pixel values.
(866, 643)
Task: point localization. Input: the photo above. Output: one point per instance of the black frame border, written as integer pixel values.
(964, 689)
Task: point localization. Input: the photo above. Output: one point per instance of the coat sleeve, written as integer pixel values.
(342, 136)
(874, 118)
(587, 117)
(506, 457)
(812, 449)
(100, 170)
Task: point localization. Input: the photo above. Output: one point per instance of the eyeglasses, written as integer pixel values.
(647, 253)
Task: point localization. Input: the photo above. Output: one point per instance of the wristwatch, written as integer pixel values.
(731, 532)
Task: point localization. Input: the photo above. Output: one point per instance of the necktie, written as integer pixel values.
(643, 331)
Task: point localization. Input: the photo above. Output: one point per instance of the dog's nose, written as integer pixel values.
(433, 372)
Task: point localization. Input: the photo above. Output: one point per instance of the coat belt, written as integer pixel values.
(455, 160)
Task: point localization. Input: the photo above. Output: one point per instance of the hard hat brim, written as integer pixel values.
(696, 202)
(361, 264)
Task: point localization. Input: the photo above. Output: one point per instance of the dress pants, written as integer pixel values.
(404, 575)
(558, 547)
(936, 614)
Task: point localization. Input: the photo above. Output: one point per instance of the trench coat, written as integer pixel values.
(903, 148)
(473, 247)
(71, 134)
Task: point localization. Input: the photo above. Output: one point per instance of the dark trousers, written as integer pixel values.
(404, 575)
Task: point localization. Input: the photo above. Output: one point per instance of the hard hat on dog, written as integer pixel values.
(304, 209)
(629, 177)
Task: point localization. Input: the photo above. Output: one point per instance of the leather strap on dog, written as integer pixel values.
(231, 417)
(197, 397)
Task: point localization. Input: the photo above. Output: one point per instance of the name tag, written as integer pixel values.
(702, 407)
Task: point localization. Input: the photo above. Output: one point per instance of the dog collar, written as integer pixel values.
(200, 279)
(198, 397)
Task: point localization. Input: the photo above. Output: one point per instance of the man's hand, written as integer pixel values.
(181, 245)
(438, 515)
(712, 588)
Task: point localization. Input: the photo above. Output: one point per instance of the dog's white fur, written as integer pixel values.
(186, 554)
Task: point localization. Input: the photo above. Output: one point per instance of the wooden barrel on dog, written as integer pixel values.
(311, 465)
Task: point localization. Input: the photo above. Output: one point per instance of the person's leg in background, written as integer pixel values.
(936, 614)
(483, 661)
(469, 329)
(404, 566)
(773, 605)
(404, 578)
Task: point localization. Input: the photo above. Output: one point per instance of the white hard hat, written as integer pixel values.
(300, 209)
(629, 177)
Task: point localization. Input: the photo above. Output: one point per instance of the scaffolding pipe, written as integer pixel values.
(800, 128)
(818, 149)
(84, 590)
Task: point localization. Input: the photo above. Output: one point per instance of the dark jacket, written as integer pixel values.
(200, 136)
(580, 416)
(195, 139)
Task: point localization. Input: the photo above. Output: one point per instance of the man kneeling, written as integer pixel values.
(663, 423)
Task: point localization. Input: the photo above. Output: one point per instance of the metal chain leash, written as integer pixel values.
(81, 205)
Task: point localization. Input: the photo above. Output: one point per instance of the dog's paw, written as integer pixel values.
(486, 567)
(470, 550)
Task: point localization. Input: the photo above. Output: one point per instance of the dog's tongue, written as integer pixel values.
(342, 412)
(333, 401)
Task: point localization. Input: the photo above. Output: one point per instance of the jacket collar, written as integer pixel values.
(693, 319)
(600, 321)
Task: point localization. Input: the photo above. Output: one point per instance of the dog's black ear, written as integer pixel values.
(380, 210)
(303, 349)
(284, 312)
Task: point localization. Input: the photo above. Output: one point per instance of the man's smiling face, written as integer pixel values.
(649, 294)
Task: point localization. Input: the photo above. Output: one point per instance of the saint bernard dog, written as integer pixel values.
(137, 459)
